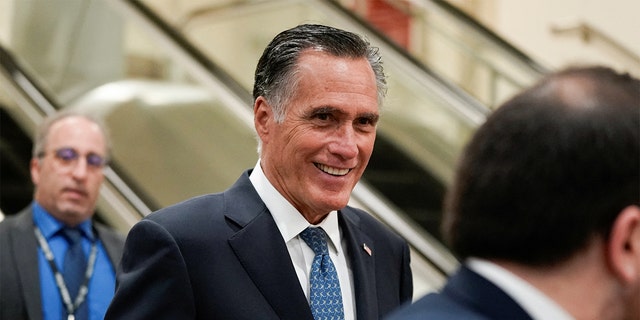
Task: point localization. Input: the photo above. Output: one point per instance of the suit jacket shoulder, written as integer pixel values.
(20, 296)
(221, 256)
(218, 256)
(468, 296)
(19, 285)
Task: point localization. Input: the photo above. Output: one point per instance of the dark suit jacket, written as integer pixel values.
(468, 296)
(19, 277)
(221, 256)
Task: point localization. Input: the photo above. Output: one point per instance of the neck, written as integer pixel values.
(582, 285)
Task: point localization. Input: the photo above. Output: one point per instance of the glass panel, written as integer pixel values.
(170, 133)
(416, 117)
(457, 51)
(173, 136)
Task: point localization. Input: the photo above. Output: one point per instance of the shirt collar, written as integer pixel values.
(49, 226)
(289, 220)
(536, 303)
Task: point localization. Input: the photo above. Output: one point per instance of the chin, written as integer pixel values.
(76, 212)
(337, 204)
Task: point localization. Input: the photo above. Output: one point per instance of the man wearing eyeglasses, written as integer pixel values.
(55, 262)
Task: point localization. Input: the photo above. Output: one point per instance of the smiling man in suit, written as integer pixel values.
(282, 237)
(544, 209)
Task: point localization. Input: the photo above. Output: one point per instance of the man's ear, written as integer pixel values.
(262, 117)
(34, 168)
(624, 245)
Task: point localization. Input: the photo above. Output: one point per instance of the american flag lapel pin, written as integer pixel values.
(366, 248)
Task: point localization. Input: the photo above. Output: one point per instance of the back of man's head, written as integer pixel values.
(549, 170)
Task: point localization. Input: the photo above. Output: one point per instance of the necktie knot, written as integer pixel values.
(73, 235)
(315, 239)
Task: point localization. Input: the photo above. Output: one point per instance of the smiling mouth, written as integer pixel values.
(331, 170)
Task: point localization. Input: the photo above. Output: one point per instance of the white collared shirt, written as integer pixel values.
(290, 222)
(532, 300)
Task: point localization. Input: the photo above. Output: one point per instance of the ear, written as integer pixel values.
(34, 167)
(262, 117)
(624, 245)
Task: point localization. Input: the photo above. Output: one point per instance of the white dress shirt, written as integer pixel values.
(290, 222)
(532, 300)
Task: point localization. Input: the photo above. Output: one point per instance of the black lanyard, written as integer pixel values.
(62, 287)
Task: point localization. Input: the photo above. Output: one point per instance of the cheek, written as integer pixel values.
(96, 182)
(365, 145)
(302, 138)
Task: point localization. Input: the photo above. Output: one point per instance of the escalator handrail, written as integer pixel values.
(189, 52)
(37, 97)
(429, 247)
(488, 34)
(194, 53)
(458, 92)
(27, 84)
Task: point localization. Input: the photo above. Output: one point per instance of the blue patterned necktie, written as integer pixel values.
(325, 295)
(74, 267)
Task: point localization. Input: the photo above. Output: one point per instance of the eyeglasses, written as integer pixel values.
(69, 156)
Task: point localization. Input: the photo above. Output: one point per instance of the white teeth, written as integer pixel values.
(332, 171)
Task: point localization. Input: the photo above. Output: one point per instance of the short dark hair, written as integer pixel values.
(551, 169)
(275, 73)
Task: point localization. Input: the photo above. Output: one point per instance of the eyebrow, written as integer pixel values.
(370, 115)
(367, 115)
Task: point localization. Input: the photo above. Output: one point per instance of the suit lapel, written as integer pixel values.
(362, 264)
(263, 253)
(25, 248)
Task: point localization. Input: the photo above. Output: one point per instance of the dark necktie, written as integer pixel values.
(325, 295)
(74, 267)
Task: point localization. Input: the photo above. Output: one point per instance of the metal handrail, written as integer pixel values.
(587, 32)
(429, 247)
(472, 23)
(192, 58)
(37, 104)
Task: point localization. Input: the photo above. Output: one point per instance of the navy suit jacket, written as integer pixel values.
(467, 295)
(20, 296)
(221, 256)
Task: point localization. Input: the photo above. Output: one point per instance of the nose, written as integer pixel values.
(80, 168)
(345, 142)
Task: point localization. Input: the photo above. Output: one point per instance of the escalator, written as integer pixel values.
(173, 86)
(424, 124)
(430, 112)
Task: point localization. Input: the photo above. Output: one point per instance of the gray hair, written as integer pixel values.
(275, 77)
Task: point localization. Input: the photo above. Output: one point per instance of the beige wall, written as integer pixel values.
(528, 25)
(6, 7)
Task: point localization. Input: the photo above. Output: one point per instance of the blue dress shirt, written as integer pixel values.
(102, 283)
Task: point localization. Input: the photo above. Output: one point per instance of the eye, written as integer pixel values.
(366, 121)
(66, 154)
(322, 114)
(95, 160)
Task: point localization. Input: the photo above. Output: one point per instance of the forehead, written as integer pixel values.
(335, 81)
(77, 132)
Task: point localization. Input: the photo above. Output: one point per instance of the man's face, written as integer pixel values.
(317, 155)
(65, 186)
